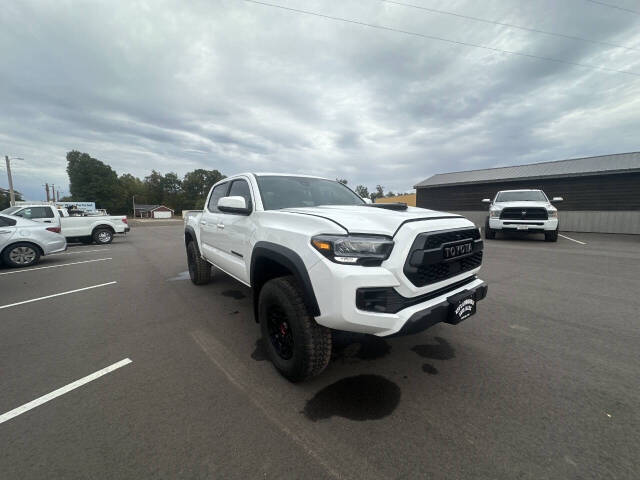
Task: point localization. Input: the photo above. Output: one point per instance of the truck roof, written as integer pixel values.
(265, 174)
(522, 190)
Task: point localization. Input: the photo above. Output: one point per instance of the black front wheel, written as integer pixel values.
(298, 347)
(489, 232)
(199, 268)
(551, 236)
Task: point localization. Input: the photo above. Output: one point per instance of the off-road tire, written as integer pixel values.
(199, 268)
(551, 236)
(102, 236)
(311, 342)
(24, 250)
(489, 233)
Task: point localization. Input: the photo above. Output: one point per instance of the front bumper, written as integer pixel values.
(423, 319)
(523, 225)
(336, 289)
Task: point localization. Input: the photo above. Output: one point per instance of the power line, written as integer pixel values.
(441, 39)
(509, 25)
(613, 6)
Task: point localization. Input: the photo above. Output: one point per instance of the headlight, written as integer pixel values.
(365, 250)
(494, 213)
(552, 213)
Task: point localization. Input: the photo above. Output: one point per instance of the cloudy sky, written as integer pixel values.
(237, 86)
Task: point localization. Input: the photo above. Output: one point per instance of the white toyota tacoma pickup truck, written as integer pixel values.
(317, 257)
(98, 229)
(523, 211)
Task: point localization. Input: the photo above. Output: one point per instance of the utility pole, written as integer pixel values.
(46, 187)
(53, 192)
(12, 196)
(58, 194)
(134, 206)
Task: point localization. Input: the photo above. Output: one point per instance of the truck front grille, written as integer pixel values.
(524, 213)
(426, 262)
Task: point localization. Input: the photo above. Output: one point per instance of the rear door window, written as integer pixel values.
(35, 212)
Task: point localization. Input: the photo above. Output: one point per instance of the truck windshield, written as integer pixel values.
(287, 192)
(527, 196)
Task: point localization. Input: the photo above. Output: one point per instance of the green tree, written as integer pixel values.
(131, 187)
(362, 191)
(379, 193)
(172, 191)
(154, 185)
(5, 198)
(196, 186)
(90, 180)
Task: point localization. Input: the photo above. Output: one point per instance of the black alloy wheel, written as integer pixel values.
(280, 332)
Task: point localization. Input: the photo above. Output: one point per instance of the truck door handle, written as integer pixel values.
(202, 222)
(47, 221)
(220, 226)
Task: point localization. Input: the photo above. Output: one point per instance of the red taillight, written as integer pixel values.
(124, 220)
(54, 229)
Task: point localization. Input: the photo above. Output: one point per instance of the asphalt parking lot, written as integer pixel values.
(544, 382)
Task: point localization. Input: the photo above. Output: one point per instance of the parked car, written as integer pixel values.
(98, 229)
(319, 258)
(23, 242)
(528, 211)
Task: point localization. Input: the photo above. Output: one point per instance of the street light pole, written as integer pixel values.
(12, 196)
(134, 206)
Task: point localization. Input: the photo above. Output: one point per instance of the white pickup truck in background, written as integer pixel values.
(87, 229)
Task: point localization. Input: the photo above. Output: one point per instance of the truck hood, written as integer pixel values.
(367, 219)
(522, 205)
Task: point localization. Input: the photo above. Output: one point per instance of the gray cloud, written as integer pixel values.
(174, 86)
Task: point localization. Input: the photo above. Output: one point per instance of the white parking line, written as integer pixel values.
(572, 239)
(56, 295)
(81, 251)
(55, 266)
(61, 391)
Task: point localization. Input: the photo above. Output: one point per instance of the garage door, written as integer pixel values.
(158, 214)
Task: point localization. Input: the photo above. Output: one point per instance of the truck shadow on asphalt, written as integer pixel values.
(441, 350)
(367, 397)
(359, 398)
(353, 347)
(235, 294)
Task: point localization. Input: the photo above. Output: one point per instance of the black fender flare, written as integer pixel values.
(189, 231)
(103, 226)
(292, 262)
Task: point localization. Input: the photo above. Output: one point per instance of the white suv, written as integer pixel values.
(523, 211)
(318, 257)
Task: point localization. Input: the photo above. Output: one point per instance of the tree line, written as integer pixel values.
(91, 180)
(378, 193)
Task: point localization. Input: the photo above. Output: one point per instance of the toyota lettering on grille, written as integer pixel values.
(454, 251)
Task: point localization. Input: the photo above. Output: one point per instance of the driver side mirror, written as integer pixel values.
(367, 200)
(557, 199)
(486, 200)
(235, 204)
